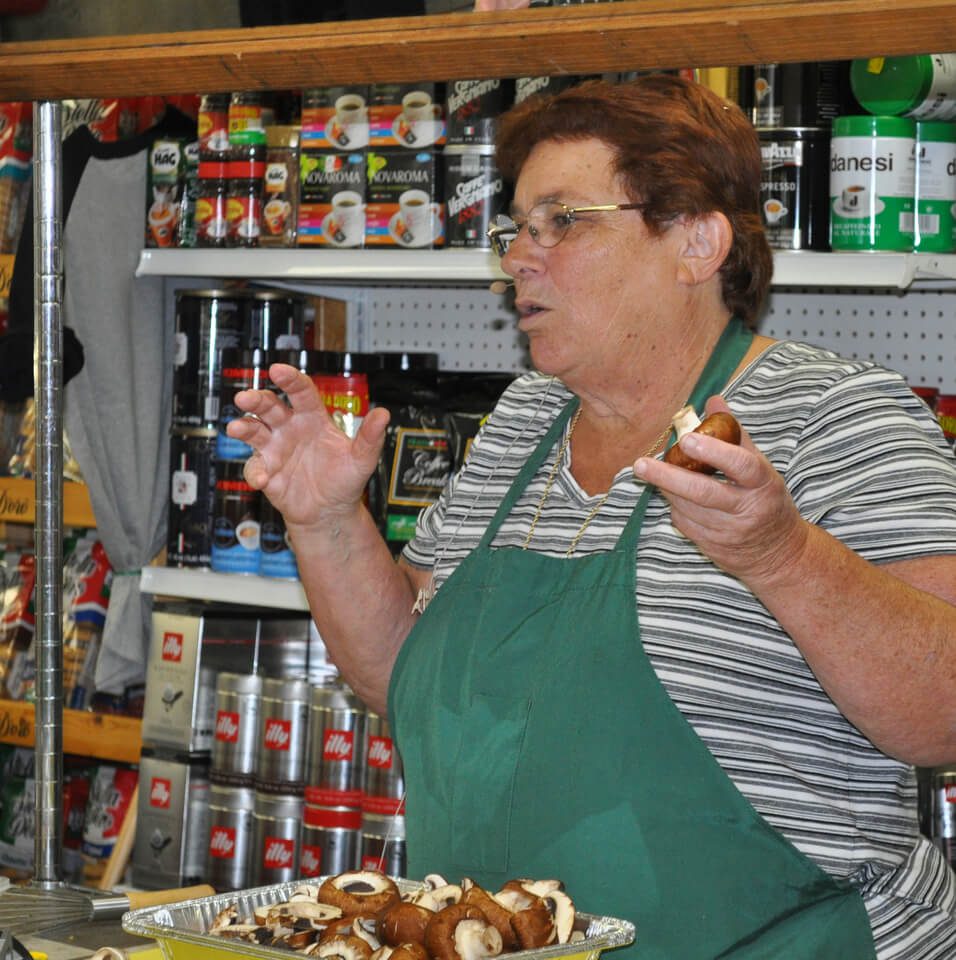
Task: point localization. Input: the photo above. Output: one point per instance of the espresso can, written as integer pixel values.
(794, 187)
(935, 187)
(384, 776)
(283, 733)
(806, 94)
(473, 107)
(872, 183)
(229, 856)
(207, 322)
(235, 526)
(943, 811)
(273, 320)
(277, 820)
(236, 737)
(331, 840)
(277, 558)
(337, 742)
(239, 370)
(383, 844)
(474, 194)
(192, 492)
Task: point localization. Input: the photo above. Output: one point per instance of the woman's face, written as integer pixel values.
(589, 303)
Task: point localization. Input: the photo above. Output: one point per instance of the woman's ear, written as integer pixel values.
(707, 241)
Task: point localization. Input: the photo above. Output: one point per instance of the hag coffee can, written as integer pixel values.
(229, 856)
(192, 492)
(283, 733)
(472, 108)
(794, 187)
(935, 187)
(239, 370)
(384, 777)
(273, 320)
(474, 194)
(235, 526)
(943, 811)
(207, 321)
(872, 183)
(276, 819)
(336, 766)
(383, 844)
(331, 840)
(235, 742)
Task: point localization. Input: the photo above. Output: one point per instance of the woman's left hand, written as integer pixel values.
(743, 518)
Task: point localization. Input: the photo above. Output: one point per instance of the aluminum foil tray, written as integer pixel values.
(179, 928)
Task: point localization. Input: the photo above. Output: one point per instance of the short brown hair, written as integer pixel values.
(681, 149)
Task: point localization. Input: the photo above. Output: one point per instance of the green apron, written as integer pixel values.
(537, 741)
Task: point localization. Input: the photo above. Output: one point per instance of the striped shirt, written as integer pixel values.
(864, 459)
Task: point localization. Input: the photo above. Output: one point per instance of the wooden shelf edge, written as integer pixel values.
(18, 502)
(102, 736)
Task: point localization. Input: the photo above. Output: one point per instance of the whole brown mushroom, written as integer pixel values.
(404, 923)
(359, 891)
(461, 932)
(496, 913)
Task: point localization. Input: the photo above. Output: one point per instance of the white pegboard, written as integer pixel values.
(911, 331)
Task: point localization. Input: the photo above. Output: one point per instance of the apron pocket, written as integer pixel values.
(492, 737)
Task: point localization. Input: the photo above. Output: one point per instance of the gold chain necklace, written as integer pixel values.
(552, 476)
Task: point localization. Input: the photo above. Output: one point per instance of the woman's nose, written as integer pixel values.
(523, 254)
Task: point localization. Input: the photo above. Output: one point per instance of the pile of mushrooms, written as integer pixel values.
(362, 915)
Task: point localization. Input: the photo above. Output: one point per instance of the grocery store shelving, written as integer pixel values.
(233, 588)
(797, 268)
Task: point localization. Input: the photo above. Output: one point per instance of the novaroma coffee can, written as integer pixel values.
(472, 109)
(794, 187)
(283, 734)
(207, 321)
(229, 856)
(235, 525)
(277, 819)
(336, 766)
(474, 194)
(935, 187)
(236, 739)
(192, 491)
(872, 183)
(331, 840)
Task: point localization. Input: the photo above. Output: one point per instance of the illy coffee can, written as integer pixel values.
(943, 811)
(229, 856)
(236, 739)
(331, 840)
(283, 732)
(336, 765)
(384, 778)
(383, 844)
(276, 819)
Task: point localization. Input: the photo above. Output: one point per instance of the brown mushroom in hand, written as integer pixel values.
(359, 891)
(498, 915)
(404, 923)
(461, 932)
(723, 426)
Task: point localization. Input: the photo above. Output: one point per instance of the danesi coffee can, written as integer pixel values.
(935, 187)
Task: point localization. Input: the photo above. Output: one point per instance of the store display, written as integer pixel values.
(335, 771)
(872, 183)
(935, 191)
(921, 86)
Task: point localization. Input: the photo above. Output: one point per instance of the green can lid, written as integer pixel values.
(891, 85)
(869, 126)
(935, 131)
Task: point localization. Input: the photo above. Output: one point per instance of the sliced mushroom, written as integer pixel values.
(359, 891)
(461, 932)
(323, 913)
(404, 922)
(366, 928)
(403, 951)
(225, 918)
(534, 926)
(422, 898)
(348, 948)
(496, 914)
(307, 891)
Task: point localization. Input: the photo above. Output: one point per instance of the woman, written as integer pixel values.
(726, 761)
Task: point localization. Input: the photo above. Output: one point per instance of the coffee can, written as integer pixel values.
(235, 742)
(277, 820)
(946, 414)
(192, 493)
(943, 811)
(273, 320)
(472, 108)
(384, 776)
(206, 322)
(530, 86)
(277, 558)
(229, 857)
(383, 844)
(807, 94)
(872, 183)
(235, 525)
(474, 194)
(239, 370)
(283, 733)
(284, 646)
(935, 187)
(337, 731)
(331, 840)
(794, 187)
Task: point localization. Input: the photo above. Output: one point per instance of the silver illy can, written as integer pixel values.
(383, 844)
(335, 774)
(943, 811)
(331, 840)
(229, 856)
(236, 736)
(277, 819)
(283, 733)
(384, 777)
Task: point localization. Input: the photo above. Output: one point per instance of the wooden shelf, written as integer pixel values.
(18, 502)
(102, 736)
(593, 38)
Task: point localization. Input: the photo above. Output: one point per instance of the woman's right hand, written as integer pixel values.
(307, 467)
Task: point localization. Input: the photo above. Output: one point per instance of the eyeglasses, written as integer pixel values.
(547, 223)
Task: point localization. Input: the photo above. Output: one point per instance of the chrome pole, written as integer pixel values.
(48, 533)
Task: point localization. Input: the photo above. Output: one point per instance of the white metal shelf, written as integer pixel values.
(797, 268)
(234, 588)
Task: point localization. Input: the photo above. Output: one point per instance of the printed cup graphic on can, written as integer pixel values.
(162, 223)
(854, 198)
(346, 223)
(773, 210)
